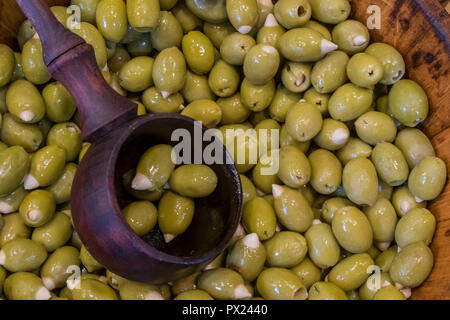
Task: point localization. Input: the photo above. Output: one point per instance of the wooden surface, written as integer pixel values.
(419, 30)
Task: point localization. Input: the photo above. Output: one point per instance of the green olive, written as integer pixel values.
(155, 102)
(354, 148)
(20, 255)
(216, 32)
(414, 145)
(351, 272)
(131, 290)
(348, 102)
(384, 260)
(292, 13)
(326, 291)
(11, 202)
(331, 206)
(92, 36)
(330, 11)
(282, 101)
(193, 180)
(169, 70)
(188, 20)
(13, 228)
(168, 33)
(326, 171)
(55, 233)
(233, 109)
(259, 217)
(33, 64)
(92, 289)
(111, 18)
(383, 220)
(62, 187)
(303, 121)
(37, 208)
(206, 111)
(154, 169)
(333, 135)
(198, 51)
(59, 104)
(261, 64)
(404, 201)
(296, 76)
(408, 102)
(212, 11)
(351, 36)
(352, 230)
(175, 214)
(329, 73)
(323, 247)
(25, 286)
(427, 179)
(7, 63)
(390, 164)
(67, 136)
(136, 74)
(271, 32)
(196, 87)
(223, 284)
(295, 169)
(418, 225)
(247, 257)
(223, 79)
(242, 14)
(143, 15)
(89, 261)
(88, 9)
(360, 181)
(292, 209)
(304, 45)
(58, 267)
(280, 284)
(364, 70)
(307, 272)
(412, 265)
(391, 60)
(257, 97)
(14, 164)
(141, 216)
(285, 249)
(374, 127)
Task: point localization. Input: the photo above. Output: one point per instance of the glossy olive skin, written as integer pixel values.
(389, 293)
(282, 100)
(354, 148)
(37, 208)
(408, 102)
(323, 247)
(348, 102)
(154, 102)
(333, 135)
(194, 180)
(418, 225)
(326, 171)
(330, 11)
(285, 249)
(14, 164)
(311, 45)
(59, 104)
(143, 15)
(55, 233)
(235, 46)
(360, 181)
(56, 269)
(6, 64)
(404, 201)
(67, 136)
(247, 257)
(296, 76)
(383, 220)
(292, 13)
(198, 51)
(233, 109)
(352, 230)
(92, 36)
(259, 217)
(169, 70)
(136, 74)
(326, 291)
(280, 284)
(351, 36)
(21, 255)
(391, 60)
(364, 70)
(414, 145)
(223, 284)
(331, 206)
(13, 227)
(25, 286)
(196, 87)
(303, 121)
(261, 64)
(412, 265)
(351, 272)
(308, 272)
(175, 214)
(329, 73)
(295, 169)
(211, 11)
(257, 97)
(223, 79)
(427, 179)
(92, 289)
(33, 64)
(242, 14)
(390, 164)
(292, 209)
(141, 216)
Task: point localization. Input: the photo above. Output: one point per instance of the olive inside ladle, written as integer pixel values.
(118, 136)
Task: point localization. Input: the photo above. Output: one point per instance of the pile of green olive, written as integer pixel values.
(346, 210)
(175, 188)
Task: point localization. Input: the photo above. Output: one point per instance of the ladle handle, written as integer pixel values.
(71, 61)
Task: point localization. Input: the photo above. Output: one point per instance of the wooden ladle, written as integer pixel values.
(118, 136)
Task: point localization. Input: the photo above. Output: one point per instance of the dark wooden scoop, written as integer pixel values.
(118, 138)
